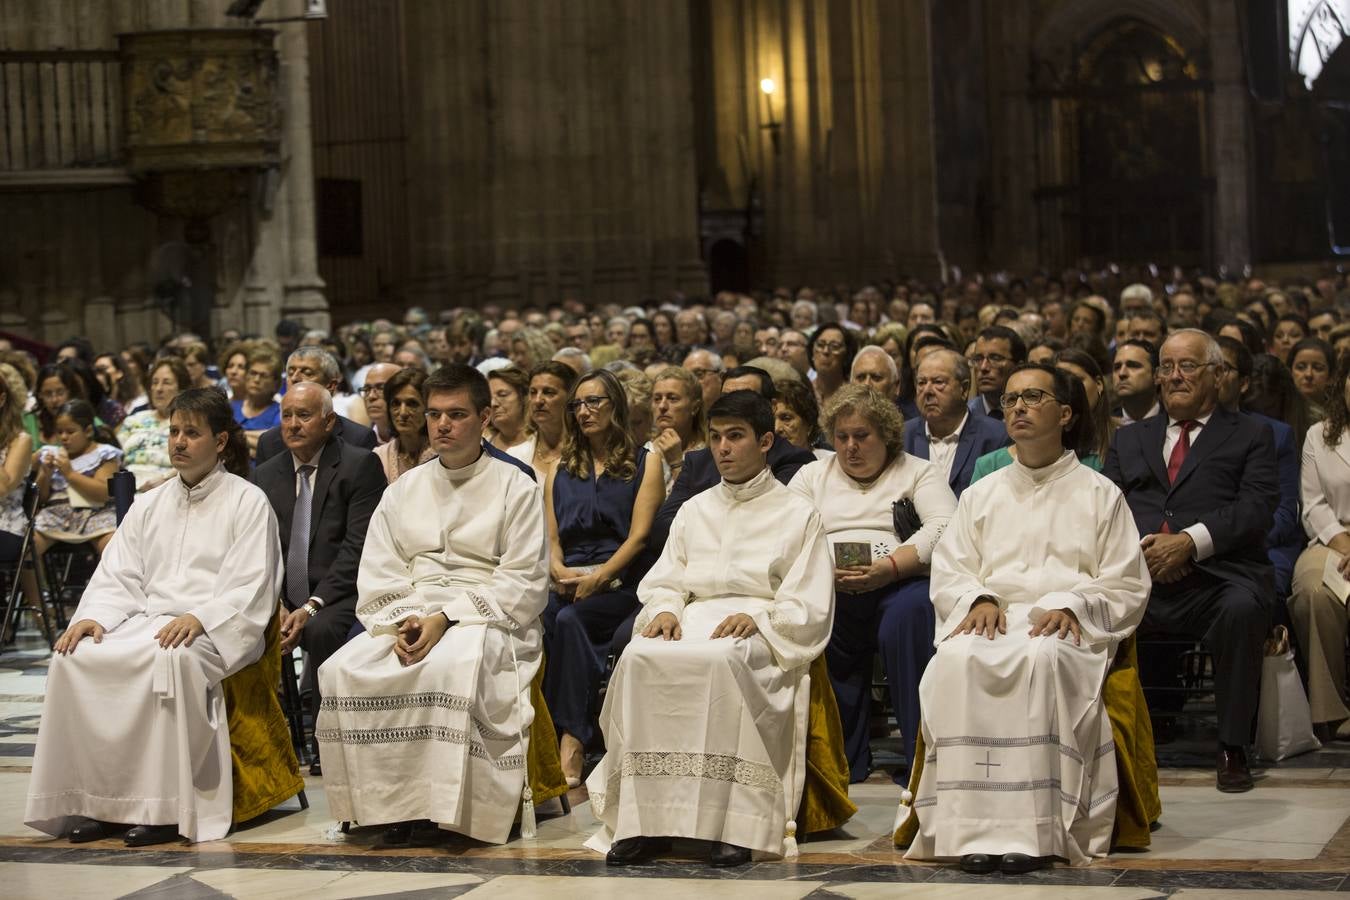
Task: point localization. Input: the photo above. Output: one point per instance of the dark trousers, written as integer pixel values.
(896, 621)
(1232, 623)
(577, 638)
(320, 638)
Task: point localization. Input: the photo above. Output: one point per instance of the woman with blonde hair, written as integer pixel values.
(16, 459)
(600, 500)
(529, 347)
(881, 576)
(679, 418)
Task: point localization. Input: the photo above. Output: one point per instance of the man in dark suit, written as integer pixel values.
(316, 366)
(998, 350)
(699, 472)
(323, 491)
(949, 435)
(1201, 482)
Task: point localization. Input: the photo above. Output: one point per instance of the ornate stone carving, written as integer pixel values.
(200, 99)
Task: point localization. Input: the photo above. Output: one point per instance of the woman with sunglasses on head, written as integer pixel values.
(601, 499)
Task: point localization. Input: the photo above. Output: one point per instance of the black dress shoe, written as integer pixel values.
(87, 830)
(979, 863)
(145, 835)
(725, 856)
(315, 768)
(397, 834)
(1233, 776)
(1020, 863)
(635, 850)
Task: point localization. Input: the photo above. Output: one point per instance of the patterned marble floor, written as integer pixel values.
(1288, 838)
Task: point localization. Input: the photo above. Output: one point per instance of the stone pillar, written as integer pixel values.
(100, 322)
(304, 300)
(1230, 135)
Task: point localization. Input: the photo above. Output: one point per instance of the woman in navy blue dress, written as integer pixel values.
(601, 500)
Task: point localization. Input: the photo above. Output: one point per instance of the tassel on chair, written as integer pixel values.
(790, 840)
(527, 824)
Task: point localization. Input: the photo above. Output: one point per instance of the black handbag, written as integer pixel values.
(905, 518)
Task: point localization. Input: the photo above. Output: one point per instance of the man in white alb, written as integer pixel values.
(705, 716)
(426, 717)
(1037, 579)
(133, 726)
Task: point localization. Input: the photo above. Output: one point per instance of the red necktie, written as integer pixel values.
(1178, 457)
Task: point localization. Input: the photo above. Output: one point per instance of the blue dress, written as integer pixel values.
(594, 516)
(268, 418)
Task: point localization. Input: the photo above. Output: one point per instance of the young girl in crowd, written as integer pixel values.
(72, 481)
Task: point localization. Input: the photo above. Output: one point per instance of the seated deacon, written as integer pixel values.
(699, 473)
(426, 716)
(1202, 483)
(133, 727)
(704, 718)
(317, 366)
(880, 577)
(1037, 580)
(323, 492)
(948, 435)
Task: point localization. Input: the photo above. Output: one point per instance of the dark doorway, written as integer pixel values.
(728, 266)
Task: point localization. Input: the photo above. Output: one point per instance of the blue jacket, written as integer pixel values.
(980, 435)
(1286, 539)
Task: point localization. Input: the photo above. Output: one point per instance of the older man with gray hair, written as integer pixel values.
(1135, 298)
(314, 365)
(874, 368)
(947, 435)
(575, 359)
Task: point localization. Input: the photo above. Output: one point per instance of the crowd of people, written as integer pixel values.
(994, 487)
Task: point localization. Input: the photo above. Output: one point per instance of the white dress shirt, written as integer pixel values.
(942, 451)
(1204, 544)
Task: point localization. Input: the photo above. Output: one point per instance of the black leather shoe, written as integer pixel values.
(397, 835)
(315, 768)
(635, 851)
(979, 863)
(725, 856)
(145, 835)
(1020, 863)
(87, 830)
(1233, 776)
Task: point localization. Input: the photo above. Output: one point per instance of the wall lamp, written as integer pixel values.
(767, 87)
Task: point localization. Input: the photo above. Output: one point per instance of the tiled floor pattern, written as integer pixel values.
(1288, 838)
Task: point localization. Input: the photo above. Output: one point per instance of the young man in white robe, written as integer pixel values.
(426, 716)
(1037, 580)
(705, 716)
(133, 726)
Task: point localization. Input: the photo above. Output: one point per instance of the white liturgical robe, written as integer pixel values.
(445, 738)
(1020, 757)
(134, 733)
(707, 738)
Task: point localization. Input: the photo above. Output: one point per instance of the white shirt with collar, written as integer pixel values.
(1125, 418)
(942, 451)
(1204, 544)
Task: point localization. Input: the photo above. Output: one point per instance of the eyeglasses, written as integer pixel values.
(371, 389)
(591, 403)
(1031, 397)
(830, 346)
(994, 359)
(701, 374)
(1187, 367)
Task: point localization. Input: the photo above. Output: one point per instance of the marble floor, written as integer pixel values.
(1288, 838)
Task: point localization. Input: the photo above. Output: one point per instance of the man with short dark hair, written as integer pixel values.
(948, 434)
(323, 492)
(426, 716)
(998, 350)
(734, 611)
(1147, 325)
(1133, 372)
(1202, 484)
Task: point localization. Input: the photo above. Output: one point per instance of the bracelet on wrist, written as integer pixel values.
(895, 570)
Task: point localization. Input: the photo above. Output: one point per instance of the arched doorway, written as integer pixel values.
(1123, 160)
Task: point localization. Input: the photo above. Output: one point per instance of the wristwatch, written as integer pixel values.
(311, 609)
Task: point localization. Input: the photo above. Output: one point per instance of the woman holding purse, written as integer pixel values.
(881, 577)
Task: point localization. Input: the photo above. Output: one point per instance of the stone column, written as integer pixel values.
(1230, 134)
(304, 300)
